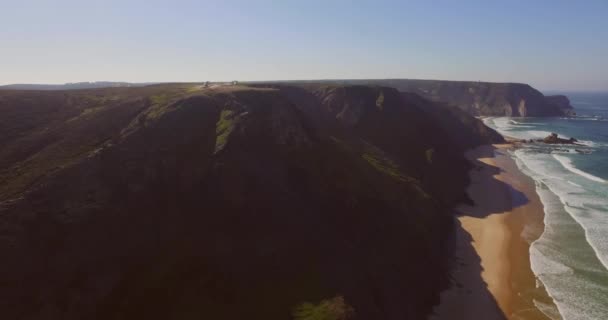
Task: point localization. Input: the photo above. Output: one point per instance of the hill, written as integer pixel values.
(476, 98)
(267, 202)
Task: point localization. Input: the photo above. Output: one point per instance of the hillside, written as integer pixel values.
(476, 98)
(269, 202)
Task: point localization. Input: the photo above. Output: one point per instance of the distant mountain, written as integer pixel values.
(72, 86)
(232, 202)
(477, 98)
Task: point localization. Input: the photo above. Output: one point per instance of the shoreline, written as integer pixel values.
(492, 277)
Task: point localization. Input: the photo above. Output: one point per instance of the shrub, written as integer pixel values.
(329, 309)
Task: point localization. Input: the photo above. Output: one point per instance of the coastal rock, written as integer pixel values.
(553, 138)
(563, 103)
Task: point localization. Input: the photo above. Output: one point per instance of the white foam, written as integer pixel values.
(545, 265)
(538, 133)
(554, 256)
(589, 143)
(586, 118)
(593, 222)
(547, 310)
(501, 123)
(574, 184)
(512, 128)
(567, 163)
(520, 124)
(573, 248)
(582, 206)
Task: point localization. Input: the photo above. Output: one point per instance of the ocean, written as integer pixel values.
(571, 257)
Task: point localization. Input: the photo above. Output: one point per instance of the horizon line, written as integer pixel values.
(292, 80)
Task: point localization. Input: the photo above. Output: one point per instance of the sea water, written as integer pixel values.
(571, 256)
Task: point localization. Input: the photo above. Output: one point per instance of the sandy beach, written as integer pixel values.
(492, 278)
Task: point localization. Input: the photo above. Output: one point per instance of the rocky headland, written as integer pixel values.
(478, 98)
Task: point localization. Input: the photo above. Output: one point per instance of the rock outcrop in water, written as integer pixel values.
(553, 138)
(177, 202)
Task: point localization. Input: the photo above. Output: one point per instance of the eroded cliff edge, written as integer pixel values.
(478, 98)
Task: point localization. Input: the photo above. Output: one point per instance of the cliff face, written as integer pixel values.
(394, 121)
(168, 202)
(483, 98)
(563, 103)
(478, 98)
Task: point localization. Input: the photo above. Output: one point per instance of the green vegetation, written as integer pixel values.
(85, 113)
(160, 99)
(223, 128)
(330, 309)
(377, 159)
(195, 88)
(383, 165)
(161, 104)
(381, 162)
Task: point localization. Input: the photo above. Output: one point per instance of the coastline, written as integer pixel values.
(492, 277)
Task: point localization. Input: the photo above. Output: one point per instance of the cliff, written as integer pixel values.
(563, 103)
(476, 98)
(182, 202)
(487, 99)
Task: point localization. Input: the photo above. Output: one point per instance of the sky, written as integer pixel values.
(551, 45)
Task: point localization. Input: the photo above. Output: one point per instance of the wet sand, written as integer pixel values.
(492, 278)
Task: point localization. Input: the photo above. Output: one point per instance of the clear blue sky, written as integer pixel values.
(549, 44)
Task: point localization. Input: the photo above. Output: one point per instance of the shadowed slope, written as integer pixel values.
(180, 202)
